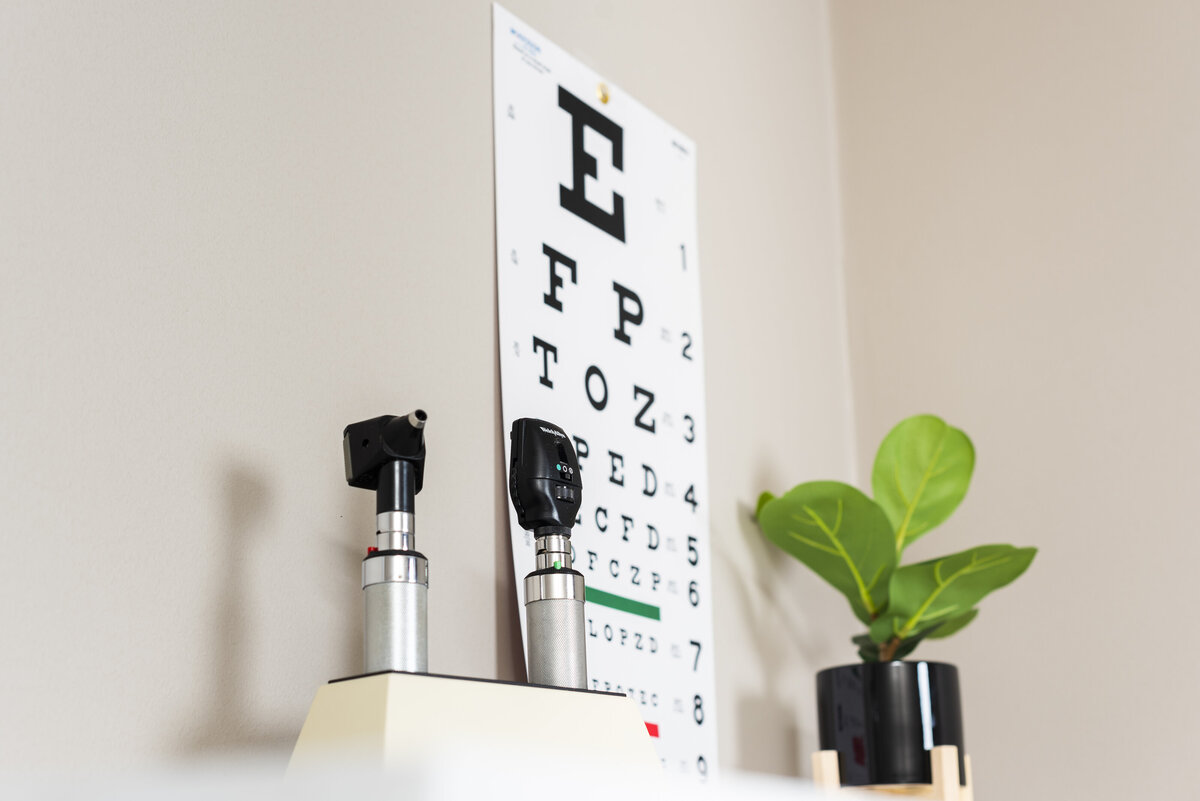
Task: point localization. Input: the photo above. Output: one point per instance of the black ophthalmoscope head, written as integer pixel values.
(387, 454)
(543, 477)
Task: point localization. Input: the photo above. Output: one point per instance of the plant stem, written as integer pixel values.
(888, 650)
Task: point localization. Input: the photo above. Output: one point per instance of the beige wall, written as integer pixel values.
(228, 229)
(1022, 185)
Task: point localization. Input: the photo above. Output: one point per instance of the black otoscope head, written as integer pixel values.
(543, 477)
(387, 454)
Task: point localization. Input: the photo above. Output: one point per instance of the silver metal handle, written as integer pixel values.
(395, 599)
(557, 637)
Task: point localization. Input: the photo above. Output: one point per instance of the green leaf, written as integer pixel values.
(888, 626)
(909, 645)
(952, 626)
(884, 629)
(941, 591)
(868, 651)
(762, 501)
(921, 475)
(841, 534)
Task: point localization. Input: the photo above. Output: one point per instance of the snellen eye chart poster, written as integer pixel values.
(599, 306)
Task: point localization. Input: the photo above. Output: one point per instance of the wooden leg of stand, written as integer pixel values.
(944, 761)
(826, 773)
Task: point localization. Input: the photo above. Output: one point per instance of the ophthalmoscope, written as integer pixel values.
(387, 454)
(546, 491)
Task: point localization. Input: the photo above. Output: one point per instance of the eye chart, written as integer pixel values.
(599, 305)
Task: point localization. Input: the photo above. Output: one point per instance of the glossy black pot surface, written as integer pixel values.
(883, 718)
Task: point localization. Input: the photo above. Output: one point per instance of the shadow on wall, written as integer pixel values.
(767, 731)
(230, 722)
(510, 651)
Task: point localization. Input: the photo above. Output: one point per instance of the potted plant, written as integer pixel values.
(884, 715)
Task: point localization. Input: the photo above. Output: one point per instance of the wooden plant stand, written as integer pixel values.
(945, 787)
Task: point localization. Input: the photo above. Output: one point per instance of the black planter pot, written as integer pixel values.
(883, 718)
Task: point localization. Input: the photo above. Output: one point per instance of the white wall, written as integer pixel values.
(1021, 183)
(229, 229)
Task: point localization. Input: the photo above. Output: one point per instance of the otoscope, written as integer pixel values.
(546, 491)
(387, 454)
